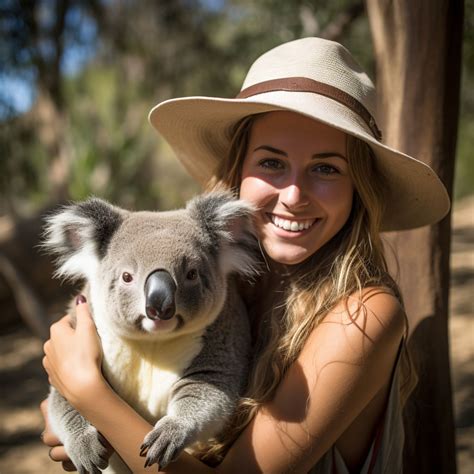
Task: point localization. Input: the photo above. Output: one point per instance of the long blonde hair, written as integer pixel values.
(350, 262)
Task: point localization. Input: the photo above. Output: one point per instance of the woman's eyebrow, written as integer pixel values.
(271, 149)
(328, 154)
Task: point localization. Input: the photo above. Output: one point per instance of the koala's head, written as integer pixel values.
(154, 274)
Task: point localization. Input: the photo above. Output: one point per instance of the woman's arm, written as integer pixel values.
(346, 361)
(73, 360)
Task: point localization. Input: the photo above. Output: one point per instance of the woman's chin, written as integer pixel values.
(286, 254)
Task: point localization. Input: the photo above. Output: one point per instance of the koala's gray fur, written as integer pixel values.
(184, 373)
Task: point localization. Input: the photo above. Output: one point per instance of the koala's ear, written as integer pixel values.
(79, 234)
(229, 224)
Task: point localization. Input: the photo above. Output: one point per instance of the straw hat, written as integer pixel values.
(319, 79)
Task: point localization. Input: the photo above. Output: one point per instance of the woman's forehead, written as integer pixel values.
(290, 129)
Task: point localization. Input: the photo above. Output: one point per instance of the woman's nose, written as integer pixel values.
(293, 196)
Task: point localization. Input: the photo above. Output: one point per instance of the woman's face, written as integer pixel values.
(296, 172)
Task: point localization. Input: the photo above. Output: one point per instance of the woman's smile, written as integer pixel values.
(291, 227)
(296, 173)
(291, 224)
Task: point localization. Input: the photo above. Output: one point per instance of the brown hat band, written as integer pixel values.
(303, 84)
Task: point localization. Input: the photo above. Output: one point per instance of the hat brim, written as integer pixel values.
(199, 131)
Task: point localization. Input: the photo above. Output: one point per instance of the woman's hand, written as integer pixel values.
(73, 356)
(57, 451)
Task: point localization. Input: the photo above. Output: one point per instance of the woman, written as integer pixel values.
(331, 370)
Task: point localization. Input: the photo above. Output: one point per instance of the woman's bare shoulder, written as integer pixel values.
(345, 362)
(373, 312)
(364, 325)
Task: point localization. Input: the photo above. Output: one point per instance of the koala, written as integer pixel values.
(174, 331)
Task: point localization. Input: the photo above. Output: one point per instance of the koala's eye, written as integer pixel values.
(192, 274)
(126, 277)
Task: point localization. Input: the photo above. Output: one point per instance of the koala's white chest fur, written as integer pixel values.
(143, 372)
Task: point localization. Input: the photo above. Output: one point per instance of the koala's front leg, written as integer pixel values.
(196, 412)
(81, 440)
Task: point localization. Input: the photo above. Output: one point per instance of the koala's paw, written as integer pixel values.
(166, 441)
(87, 452)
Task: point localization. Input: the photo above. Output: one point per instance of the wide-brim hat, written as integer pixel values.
(318, 79)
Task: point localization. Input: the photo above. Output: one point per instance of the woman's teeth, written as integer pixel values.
(293, 226)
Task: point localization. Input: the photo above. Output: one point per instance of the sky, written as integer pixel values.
(17, 88)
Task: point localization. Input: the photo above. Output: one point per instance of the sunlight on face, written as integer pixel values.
(295, 171)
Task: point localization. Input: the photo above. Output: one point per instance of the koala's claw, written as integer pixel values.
(87, 452)
(165, 442)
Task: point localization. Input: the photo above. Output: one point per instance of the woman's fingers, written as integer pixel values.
(73, 356)
(46, 346)
(84, 321)
(48, 437)
(68, 466)
(58, 453)
(62, 327)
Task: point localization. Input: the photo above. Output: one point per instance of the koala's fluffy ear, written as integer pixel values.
(229, 224)
(79, 235)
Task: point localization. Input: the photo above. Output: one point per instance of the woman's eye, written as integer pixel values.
(271, 164)
(126, 277)
(326, 169)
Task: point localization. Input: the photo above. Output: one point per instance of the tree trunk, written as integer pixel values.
(418, 59)
(27, 290)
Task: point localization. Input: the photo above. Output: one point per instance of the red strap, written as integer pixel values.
(378, 442)
(381, 423)
(375, 451)
(334, 467)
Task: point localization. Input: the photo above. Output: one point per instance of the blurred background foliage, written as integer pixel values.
(77, 79)
(464, 178)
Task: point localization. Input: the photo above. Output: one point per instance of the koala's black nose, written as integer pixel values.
(160, 290)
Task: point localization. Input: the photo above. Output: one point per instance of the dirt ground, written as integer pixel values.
(23, 384)
(461, 329)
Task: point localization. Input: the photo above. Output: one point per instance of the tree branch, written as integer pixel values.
(28, 304)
